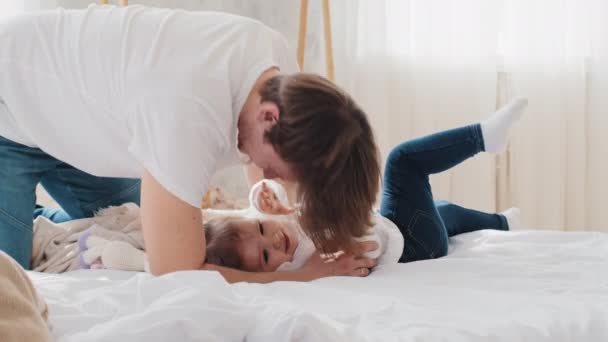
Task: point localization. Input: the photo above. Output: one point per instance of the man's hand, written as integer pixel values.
(340, 264)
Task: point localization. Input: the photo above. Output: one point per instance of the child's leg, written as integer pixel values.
(460, 220)
(407, 198)
(443, 150)
(440, 151)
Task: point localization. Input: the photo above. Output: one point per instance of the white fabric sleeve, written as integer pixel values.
(288, 62)
(179, 141)
(374, 235)
(389, 239)
(393, 240)
(271, 50)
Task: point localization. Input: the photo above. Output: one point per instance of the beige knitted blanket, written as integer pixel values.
(55, 246)
(23, 314)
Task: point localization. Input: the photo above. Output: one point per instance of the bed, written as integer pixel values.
(493, 286)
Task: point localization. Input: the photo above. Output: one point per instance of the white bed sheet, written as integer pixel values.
(493, 286)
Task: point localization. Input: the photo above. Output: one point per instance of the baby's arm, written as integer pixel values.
(265, 196)
(269, 197)
(254, 175)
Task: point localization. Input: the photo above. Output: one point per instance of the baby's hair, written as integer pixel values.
(222, 237)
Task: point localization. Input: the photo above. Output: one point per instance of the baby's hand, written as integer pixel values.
(269, 203)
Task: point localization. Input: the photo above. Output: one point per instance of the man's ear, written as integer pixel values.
(269, 112)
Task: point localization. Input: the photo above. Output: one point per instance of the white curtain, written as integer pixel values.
(420, 66)
(9, 8)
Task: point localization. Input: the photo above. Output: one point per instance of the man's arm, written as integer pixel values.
(172, 228)
(235, 276)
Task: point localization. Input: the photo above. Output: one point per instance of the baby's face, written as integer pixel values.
(266, 244)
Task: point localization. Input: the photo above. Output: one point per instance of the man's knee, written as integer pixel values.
(16, 238)
(127, 190)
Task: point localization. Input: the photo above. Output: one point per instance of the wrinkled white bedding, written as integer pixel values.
(493, 286)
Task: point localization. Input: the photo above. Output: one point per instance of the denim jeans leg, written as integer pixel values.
(81, 194)
(407, 200)
(20, 170)
(459, 220)
(407, 197)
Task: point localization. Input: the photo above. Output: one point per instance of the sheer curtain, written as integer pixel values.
(9, 8)
(421, 66)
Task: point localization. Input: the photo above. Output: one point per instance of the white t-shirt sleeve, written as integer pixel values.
(287, 60)
(178, 142)
(389, 239)
(392, 238)
(271, 50)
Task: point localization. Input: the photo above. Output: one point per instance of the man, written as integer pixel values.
(92, 101)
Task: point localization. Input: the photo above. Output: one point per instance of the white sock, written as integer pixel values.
(495, 129)
(513, 216)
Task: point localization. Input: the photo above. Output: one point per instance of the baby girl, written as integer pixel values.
(266, 237)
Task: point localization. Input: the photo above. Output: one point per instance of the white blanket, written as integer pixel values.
(493, 286)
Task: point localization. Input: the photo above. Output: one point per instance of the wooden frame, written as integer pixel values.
(302, 32)
(120, 2)
(329, 52)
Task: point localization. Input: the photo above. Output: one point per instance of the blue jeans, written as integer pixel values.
(407, 199)
(78, 193)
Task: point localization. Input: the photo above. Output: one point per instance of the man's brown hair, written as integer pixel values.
(328, 140)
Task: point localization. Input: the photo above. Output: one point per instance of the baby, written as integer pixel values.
(266, 237)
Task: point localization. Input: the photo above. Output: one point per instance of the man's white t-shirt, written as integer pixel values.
(112, 90)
